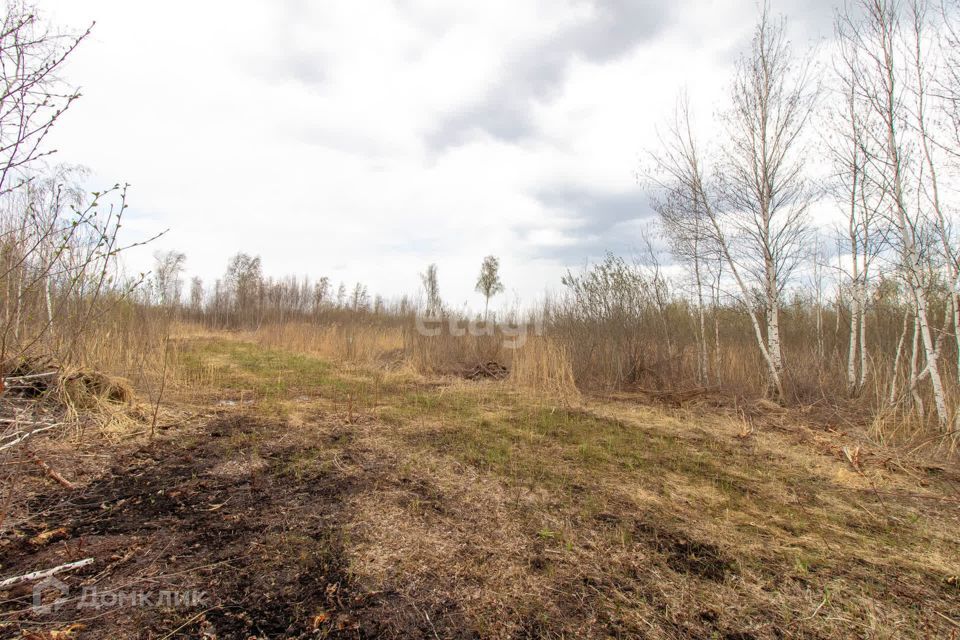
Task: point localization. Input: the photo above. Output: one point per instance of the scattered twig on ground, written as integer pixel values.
(50, 471)
(948, 619)
(46, 573)
(23, 435)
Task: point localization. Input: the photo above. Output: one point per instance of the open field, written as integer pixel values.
(510, 320)
(308, 498)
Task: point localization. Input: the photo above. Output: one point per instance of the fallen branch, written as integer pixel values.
(50, 471)
(948, 619)
(26, 435)
(32, 376)
(19, 432)
(46, 573)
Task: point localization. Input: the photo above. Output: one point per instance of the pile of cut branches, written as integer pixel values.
(38, 396)
(487, 371)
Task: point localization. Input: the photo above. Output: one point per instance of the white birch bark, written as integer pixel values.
(880, 85)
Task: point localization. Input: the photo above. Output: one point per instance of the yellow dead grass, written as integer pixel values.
(607, 517)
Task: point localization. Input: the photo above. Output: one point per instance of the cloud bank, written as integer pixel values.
(362, 141)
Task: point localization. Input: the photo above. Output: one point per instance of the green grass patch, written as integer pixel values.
(534, 445)
(269, 374)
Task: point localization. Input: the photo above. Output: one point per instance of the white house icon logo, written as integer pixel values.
(49, 584)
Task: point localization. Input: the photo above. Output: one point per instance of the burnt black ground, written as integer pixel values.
(263, 542)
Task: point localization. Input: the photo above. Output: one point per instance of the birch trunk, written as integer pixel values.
(896, 359)
(910, 257)
(702, 352)
(773, 370)
(932, 174)
(855, 309)
(862, 380)
(915, 368)
(854, 344)
(717, 356)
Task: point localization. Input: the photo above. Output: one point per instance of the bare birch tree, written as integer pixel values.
(686, 227)
(681, 172)
(920, 43)
(320, 294)
(244, 282)
(857, 196)
(766, 193)
(167, 283)
(871, 36)
(196, 294)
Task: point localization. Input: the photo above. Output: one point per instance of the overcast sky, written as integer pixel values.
(364, 140)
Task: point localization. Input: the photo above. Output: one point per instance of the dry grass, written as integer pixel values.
(538, 365)
(625, 521)
(543, 367)
(353, 342)
(523, 508)
(511, 516)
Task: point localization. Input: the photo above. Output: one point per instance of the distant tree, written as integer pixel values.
(431, 286)
(219, 299)
(196, 293)
(321, 291)
(168, 267)
(341, 295)
(360, 298)
(489, 284)
(244, 279)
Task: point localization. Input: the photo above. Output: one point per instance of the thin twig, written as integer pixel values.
(163, 384)
(948, 619)
(50, 471)
(199, 615)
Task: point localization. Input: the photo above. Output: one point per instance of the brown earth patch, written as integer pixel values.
(217, 511)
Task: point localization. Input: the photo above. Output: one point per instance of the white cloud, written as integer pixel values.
(307, 132)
